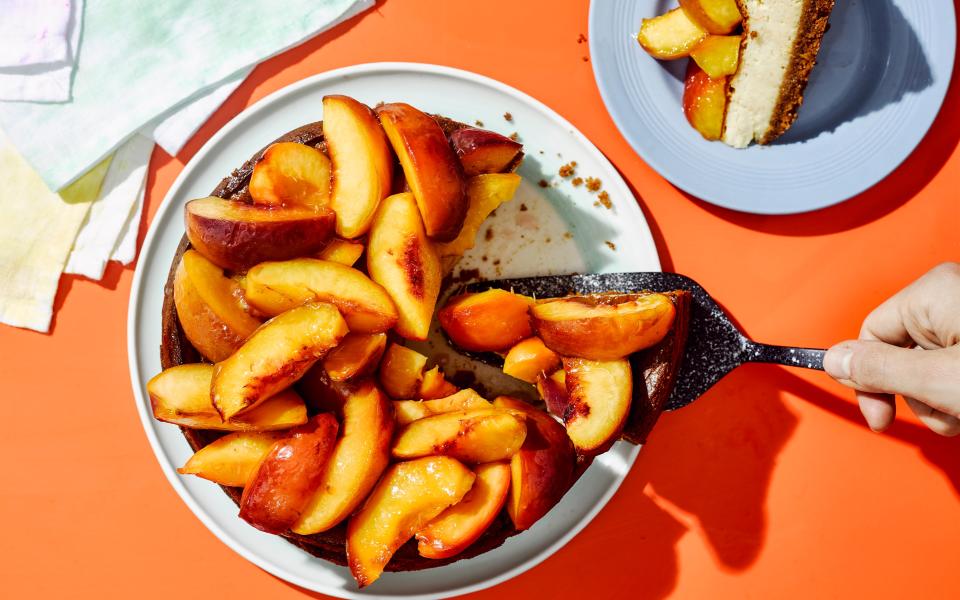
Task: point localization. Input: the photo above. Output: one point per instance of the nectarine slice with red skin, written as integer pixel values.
(288, 475)
(485, 193)
(362, 163)
(401, 371)
(410, 495)
(408, 411)
(705, 102)
(671, 35)
(358, 354)
(404, 261)
(489, 321)
(553, 390)
(529, 359)
(291, 174)
(233, 459)
(237, 236)
(434, 385)
(432, 169)
(358, 460)
(275, 287)
(591, 327)
(718, 55)
(275, 356)
(456, 528)
(482, 151)
(716, 16)
(473, 436)
(542, 470)
(209, 307)
(181, 395)
(345, 252)
(599, 395)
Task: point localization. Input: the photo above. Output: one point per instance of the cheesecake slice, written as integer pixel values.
(781, 39)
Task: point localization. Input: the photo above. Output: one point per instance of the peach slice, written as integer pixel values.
(484, 193)
(603, 327)
(362, 163)
(237, 236)
(275, 356)
(705, 102)
(275, 287)
(410, 495)
(181, 395)
(291, 174)
(286, 478)
(405, 263)
(671, 35)
(408, 411)
(434, 385)
(599, 396)
(209, 307)
(432, 170)
(233, 459)
(529, 359)
(716, 16)
(482, 151)
(553, 390)
(472, 436)
(718, 55)
(488, 321)
(542, 471)
(460, 525)
(359, 458)
(345, 252)
(357, 354)
(401, 371)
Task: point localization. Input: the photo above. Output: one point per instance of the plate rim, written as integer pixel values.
(648, 153)
(138, 283)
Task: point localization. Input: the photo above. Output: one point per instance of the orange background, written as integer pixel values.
(769, 486)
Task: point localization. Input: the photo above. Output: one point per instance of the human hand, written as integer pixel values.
(909, 345)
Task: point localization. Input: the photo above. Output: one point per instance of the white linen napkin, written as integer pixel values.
(39, 40)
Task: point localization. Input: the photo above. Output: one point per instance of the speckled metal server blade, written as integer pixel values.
(715, 346)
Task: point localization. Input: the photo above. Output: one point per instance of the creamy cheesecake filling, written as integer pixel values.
(771, 28)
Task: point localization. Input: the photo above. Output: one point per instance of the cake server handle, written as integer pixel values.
(805, 358)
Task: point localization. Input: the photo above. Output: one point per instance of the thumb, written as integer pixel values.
(930, 376)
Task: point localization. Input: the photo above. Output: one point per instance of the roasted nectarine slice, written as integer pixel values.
(410, 495)
(345, 252)
(209, 307)
(237, 236)
(482, 151)
(233, 459)
(553, 390)
(432, 170)
(484, 193)
(435, 385)
(718, 55)
(671, 35)
(408, 411)
(473, 436)
(405, 263)
(181, 395)
(529, 359)
(598, 401)
(542, 470)
(716, 16)
(602, 327)
(362, 163)
(401, 371)
(357, 354)
(275, 287)
(705, 102)
(460, 525)
(360, 456)
(288, 475)
(291, 174)
(488, 321)
(275, 356)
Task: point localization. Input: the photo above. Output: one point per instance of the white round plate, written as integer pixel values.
(880, 80)
(541, 231)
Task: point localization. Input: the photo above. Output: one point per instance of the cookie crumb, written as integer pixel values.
(567, 235)
(577, 181)
(543, 183)
(581, 39)
(753, 35)
(523, 207)
(610, 245)
(604, 199)
(548, 240)
(586, 58)
(489, 234)
(515, 136)
(594, 184)
(478, 123)
(484, 257)
(496, 263)
(540, 151)
(568, 169)
(508, 117)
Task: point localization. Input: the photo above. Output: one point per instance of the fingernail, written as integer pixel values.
(837, 362)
